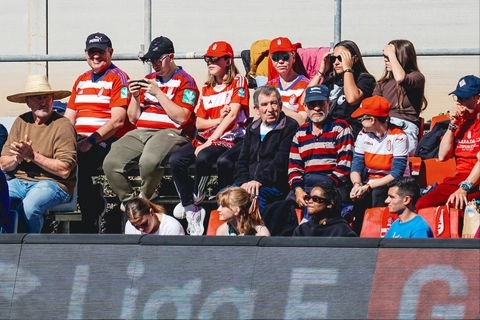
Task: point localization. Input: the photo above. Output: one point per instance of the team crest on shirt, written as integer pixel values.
(124, 93)
(293, 97)
(241, 93)
(189, 97)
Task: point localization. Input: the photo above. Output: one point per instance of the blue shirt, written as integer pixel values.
(414, 228)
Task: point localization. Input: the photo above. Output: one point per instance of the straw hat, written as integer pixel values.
(37, 84)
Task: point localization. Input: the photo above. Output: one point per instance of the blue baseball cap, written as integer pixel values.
(317, 92)
(467, 86)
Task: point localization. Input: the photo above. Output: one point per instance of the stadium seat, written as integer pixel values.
(444, 221)
(435, 171)
(376, 222)
(440, 118)
(213, 223)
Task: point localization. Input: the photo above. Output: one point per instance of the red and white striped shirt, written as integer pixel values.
(213, 100)
(180, 89)
(291, 95)
(92, 100)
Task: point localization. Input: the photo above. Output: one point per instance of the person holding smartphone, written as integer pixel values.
(344, 73)
(162, 107)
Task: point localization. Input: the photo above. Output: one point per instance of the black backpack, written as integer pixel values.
(428, 146)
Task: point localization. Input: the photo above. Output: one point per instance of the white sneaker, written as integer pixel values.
(195, 217)
(179, 211)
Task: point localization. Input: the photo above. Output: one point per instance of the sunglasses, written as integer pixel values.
(364, 118)
(386, 58)
(157, 61)
(283, 56)
(211, 59)
(92, 52)
(333, 58)
(316, 199)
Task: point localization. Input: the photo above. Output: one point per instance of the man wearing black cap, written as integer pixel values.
(461, 141)
(162, 106)
(322, 149)
(98, 109)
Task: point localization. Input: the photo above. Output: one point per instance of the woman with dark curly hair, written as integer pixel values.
(348, 80)
(325, 208)
(238, 210)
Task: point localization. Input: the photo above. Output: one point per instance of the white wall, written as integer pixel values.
(194, 24)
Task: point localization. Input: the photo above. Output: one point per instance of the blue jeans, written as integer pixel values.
(32, 198)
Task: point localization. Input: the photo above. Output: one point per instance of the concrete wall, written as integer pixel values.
(194, 24)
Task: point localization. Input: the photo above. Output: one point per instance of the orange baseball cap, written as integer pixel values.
(281, 44)
(376, 106)
(219, 49)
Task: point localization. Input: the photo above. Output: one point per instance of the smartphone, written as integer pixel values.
(139, 81)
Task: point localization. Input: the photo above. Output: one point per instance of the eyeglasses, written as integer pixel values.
(211, 59)
(95, 51)
(460, 100)
(157, 61)
(313, 104)
(277, 56)
(333, 58)
(364, 118)
(386, 58)
(316, 199)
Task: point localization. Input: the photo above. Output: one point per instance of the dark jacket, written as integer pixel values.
(334, 227)
(266, 161)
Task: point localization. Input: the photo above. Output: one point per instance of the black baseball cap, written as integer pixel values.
(98, 40)
(159, 46)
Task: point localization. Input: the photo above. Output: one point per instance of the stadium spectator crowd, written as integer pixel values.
(339, 139)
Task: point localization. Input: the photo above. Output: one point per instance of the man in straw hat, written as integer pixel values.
(40, 154)
(98, 110)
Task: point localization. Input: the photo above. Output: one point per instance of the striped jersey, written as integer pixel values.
(213, 100)
(329, 153)
(291, 95)
(180, 89)
(379, 152)
(92, 100)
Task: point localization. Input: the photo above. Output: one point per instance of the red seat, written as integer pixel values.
(213, 223)
(440, 118)
(376, 222)
(444, 222)
(433, 170)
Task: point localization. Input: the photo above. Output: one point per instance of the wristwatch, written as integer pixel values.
(91, 140)
(466, 185)
(349, 70)
(452, 127)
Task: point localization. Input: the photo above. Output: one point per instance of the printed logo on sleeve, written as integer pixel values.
(124, 92)
(189, 97)
(241, 93)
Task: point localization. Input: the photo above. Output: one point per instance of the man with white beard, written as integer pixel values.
(322, 149)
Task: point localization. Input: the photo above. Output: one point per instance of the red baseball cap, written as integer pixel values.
(281, 44)
(376, 106)
(219, 49)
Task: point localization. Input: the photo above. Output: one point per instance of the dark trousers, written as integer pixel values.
(89, 196)
(226, 165)
(181, 159)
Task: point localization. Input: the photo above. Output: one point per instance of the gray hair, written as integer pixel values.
(266, 90)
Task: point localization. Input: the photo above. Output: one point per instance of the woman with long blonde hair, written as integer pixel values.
(239, 211)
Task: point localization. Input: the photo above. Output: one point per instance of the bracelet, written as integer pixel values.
(369, 188)
(452, 127)
(359, 183)
(349, 70)
(320, 73)
(466, 185)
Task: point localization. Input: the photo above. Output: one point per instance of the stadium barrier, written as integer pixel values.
(147, 277)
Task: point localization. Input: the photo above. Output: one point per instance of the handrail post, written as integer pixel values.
(147, 31)
(337, 32)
